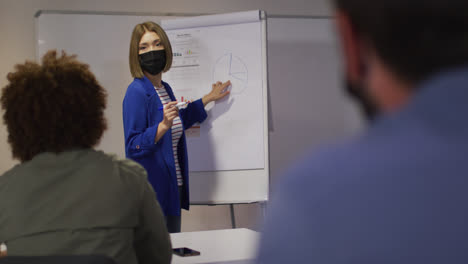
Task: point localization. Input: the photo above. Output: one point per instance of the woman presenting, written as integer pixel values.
(153, 124)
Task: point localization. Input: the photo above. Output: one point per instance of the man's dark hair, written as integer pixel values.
(53, 107)
(415, 38)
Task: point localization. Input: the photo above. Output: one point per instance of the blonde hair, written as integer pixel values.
(137, 34)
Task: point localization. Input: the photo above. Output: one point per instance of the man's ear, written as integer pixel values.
(351, 47)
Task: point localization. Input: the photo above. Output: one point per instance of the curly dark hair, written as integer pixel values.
(53, 107)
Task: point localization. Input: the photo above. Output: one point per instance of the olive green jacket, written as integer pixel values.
(82, 202)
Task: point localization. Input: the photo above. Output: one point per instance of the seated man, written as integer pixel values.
(397, 192)
(65, 198)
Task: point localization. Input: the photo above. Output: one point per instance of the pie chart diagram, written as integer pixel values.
(231, 67)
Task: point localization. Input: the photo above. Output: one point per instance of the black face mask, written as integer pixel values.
(153, 62)
(360, 94)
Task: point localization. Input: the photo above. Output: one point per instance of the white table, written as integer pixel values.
(233, 246)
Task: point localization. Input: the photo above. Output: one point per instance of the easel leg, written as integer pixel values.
(233, 216)
(263, 206)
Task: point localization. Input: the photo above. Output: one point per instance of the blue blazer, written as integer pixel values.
(141, 118)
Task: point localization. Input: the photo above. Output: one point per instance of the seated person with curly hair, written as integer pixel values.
(65, 198)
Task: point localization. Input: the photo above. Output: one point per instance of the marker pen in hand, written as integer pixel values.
(181, 104)
(178, 105)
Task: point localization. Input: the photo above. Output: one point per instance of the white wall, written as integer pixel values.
(17, 44)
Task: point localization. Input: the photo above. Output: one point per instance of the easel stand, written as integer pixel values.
(263, 207)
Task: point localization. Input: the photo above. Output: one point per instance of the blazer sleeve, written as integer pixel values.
(139, 136)
(193, 113)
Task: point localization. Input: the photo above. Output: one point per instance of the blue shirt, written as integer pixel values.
(396, 194)
(141, 117)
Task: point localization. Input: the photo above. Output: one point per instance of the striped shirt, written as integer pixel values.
(176, 130)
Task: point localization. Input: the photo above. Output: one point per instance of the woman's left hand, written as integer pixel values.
(218, 91)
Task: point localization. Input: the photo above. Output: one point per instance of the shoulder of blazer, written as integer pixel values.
(143, 85)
